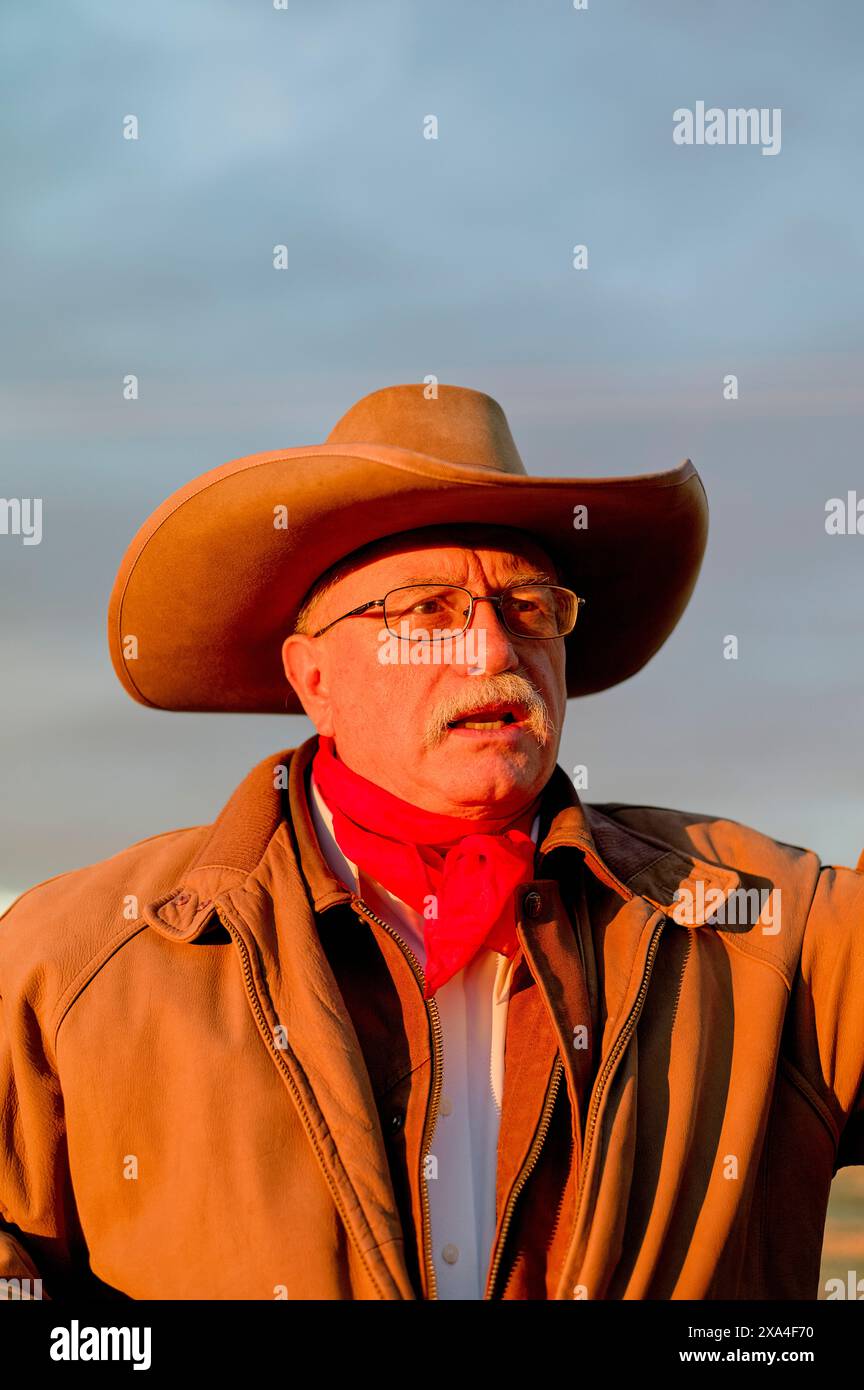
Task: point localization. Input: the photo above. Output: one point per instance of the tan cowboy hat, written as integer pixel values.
(212, 583)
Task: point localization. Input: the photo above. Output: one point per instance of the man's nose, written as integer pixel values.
(496, 650)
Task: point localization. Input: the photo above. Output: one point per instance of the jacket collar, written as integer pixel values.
(633, 864)
(630, 864)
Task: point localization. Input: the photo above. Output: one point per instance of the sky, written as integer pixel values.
(303, 126)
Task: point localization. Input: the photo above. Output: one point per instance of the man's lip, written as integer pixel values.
(489, 714)
(501, 731)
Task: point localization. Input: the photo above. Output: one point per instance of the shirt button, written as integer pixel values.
(450, 1253)
(397, 1120)
(446, 1106)
(533, 904)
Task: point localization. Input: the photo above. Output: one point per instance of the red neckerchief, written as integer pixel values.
(460, 874)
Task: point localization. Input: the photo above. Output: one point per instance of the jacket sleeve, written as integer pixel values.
(828, 1005)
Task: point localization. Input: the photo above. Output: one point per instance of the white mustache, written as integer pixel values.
(507, 688)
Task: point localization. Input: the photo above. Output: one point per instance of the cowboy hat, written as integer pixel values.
(211, 585)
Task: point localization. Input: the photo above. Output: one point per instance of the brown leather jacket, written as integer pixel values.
(219, 1078)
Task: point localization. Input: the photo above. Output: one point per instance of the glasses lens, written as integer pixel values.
(426, 610)
(540, 610)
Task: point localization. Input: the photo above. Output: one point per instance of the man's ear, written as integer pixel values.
(304, 663)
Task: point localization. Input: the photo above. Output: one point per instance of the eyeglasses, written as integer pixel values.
(438, 611)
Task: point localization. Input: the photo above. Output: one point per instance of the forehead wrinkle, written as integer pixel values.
(521, 570)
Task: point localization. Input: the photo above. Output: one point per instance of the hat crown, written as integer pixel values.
(455, 423)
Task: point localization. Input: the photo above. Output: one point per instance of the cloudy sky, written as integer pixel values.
(407, 256)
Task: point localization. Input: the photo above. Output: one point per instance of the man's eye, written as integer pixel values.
(426, 606)
(523, 605)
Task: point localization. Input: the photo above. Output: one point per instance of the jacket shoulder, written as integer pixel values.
(51, 931)
(715, 840)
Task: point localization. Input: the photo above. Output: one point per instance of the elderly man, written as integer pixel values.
(410, 1020)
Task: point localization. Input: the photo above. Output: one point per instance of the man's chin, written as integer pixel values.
(502, 765)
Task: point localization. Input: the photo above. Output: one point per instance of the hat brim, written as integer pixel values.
(211, 585)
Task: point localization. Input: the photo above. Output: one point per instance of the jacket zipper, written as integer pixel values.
(525, 1173)
(437, 1067)
(301, 1108)
(609, 1065)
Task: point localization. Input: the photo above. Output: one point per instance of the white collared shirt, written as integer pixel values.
(472, 1005)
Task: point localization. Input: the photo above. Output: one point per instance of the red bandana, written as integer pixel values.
(470, 885)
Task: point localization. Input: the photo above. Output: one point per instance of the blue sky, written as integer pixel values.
(409, 256)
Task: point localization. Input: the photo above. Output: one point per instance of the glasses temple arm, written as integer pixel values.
(353, 614)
